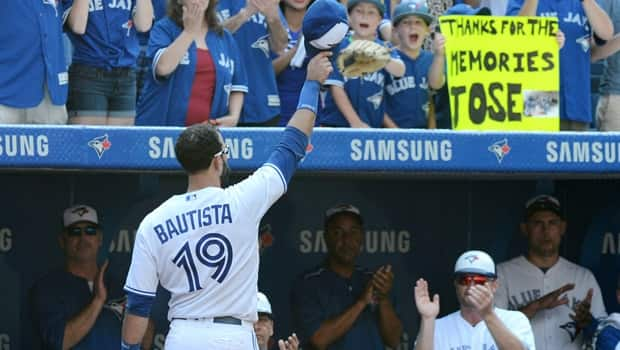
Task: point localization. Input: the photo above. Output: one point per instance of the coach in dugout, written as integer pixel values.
(477, 324)
(542, 284)
(73, 306)
(339, 305)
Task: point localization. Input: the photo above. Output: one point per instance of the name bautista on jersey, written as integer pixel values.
(215, 214)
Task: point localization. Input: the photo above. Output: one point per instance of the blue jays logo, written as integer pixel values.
(80, 211)
(262, 44)
(584, 42)
(471, 258)
(500, 149)
(117, 306)
(571, 329)
(375, 99)
(100, 144)
(128, 25)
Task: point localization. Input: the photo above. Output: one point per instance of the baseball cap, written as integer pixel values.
(342, 208)
(324, 26)
(380, 5)
(412, 8)
(467, 10)
(79, 213)
(475, 262)
(542, 202)
(263, 306)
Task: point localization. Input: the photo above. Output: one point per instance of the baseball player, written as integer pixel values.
(201, 245)
(258, 30)
(545, 286)
(407, 97)
(478, 325)
(358, 102)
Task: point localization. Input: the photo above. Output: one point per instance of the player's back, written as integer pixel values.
(202, 246)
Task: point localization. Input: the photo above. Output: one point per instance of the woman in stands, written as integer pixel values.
(102, 78)
(197, 75)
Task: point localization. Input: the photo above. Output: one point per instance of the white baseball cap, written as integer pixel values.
(79, 213)
(263, 306)
(475, 262)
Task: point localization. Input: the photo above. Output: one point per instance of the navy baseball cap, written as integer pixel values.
(343, 208)
(542, 202)
(412, 8)
(324, 26)
(467, 10)
(378, 3)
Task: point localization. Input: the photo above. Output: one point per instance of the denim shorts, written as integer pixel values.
(99, 92)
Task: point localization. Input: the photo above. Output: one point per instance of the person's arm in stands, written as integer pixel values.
(143, 17)
(599, 20)
(281, 62)
(388, 122)
(234, 110)
(78, 17)
(601, 52)
(278, 38)
(235, 22)
(436, 74)
(193, 16)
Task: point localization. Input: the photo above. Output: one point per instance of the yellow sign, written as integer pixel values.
(503, 72)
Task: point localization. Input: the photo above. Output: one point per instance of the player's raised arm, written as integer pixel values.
(319, 69)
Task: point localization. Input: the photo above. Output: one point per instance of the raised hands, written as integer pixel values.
(582, 316)
(269, 8)
(480, 298)
(193, 16)
(426, 307)
(382, 281)
(438, 45)
(100, 291)
(292, 343)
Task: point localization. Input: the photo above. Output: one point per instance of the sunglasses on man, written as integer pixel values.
(77, 231)
(466, 280)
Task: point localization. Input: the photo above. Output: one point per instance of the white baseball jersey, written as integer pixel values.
(453, 332)
(202, 247)
(521, 282)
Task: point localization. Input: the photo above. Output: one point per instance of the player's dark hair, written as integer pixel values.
(175, 12)
(196, 146)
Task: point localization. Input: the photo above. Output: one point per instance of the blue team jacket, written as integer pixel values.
(164, 100)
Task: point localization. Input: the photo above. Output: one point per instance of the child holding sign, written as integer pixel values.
(358, 102)
(407, 98)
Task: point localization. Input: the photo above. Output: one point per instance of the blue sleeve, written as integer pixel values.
(513, 7)
(138, 304)
(308, 314)
(588, 332)
(289, 152)
(159, 39)
(609, 338)
(240, 78)
(49, 317)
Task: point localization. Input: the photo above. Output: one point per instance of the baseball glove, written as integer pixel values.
(362, 57)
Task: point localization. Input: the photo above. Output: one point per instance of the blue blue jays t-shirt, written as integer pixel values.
(32, 53)
(406, 98)
(365, 94)
(262, 101)
(575, 103)
(60, 295)
(321, 294)
(110, 40)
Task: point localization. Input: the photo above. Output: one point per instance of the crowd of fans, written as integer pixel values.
(239, 63)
